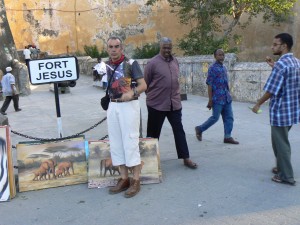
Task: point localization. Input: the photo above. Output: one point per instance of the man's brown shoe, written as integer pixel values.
(230, 141)
(122, 185)
(134, 188)
(198, 134)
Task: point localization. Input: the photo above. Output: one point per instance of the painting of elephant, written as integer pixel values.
(106, 165)
(64, 167)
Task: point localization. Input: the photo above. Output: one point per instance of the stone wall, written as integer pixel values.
(21, 74)
(246, 80)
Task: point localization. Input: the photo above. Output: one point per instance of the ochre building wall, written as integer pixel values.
(55, 25)
(58, 27)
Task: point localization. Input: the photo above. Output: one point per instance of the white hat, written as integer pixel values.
(8, 69)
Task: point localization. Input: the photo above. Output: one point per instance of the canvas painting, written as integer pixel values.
(7, 178)
(47, 165)
(4, 177)
(102, 173)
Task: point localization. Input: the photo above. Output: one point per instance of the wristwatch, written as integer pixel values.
(135, 93)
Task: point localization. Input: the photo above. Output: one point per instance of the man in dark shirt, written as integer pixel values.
(219, 99)
(163, 98)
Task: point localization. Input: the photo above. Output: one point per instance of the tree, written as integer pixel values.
(147, 51)
(8, 50)
(213, 21)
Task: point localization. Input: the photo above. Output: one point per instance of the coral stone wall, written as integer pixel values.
(246, 79)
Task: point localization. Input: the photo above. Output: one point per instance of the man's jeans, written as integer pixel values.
(227, 116)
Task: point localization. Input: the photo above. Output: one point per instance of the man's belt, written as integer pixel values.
(118, 100)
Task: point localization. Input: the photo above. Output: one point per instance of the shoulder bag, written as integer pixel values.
(106, 99)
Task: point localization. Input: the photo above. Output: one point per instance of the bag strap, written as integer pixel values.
(108, 84)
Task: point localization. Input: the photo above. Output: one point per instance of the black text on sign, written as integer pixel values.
(53, 70)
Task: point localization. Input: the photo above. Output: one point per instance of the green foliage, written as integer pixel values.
(147, 51)
(193, 46)
(79, 53)
(103, 54)
(93, 52)
(212, 22)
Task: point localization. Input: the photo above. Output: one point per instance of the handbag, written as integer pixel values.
(104, 101)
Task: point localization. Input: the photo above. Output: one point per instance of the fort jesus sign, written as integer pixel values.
(55, 70)
(43, 71)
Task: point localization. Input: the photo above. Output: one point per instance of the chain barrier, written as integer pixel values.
(62, 138)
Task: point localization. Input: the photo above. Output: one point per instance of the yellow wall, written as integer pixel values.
(92, 23)
(75, 23)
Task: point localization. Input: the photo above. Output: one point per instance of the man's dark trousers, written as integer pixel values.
(7, 100)
(155, 121)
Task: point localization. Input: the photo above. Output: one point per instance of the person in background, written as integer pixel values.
(104, 82)
(163, 98)
(123, 116)
(99, 70)
(9, 91)
(27, 55)
(219, 99)
(283, 90)
(34, 52)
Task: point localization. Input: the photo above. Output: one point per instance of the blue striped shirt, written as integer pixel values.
(284, 85)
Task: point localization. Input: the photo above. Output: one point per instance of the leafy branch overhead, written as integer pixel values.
(213, 21)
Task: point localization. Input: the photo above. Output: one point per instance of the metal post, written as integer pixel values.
(59, 123)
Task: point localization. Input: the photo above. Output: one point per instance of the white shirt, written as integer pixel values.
(27, 53)
(104, 78)
(7, 80)
(100, 67)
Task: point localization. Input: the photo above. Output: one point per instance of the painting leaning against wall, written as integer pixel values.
(4, 181)
(7, 178)
(103, 174)
(50, 165)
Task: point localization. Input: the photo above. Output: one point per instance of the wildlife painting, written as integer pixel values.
(102, 172)
(51, 164)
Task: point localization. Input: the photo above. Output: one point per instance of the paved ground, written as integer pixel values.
(231, 186)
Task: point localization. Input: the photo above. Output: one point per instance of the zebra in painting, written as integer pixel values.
(4, 182)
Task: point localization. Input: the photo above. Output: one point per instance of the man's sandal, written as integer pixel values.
(190, 164)
(275, 170)
(277, 179)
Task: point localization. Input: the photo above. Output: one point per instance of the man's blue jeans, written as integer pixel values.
(227, 116)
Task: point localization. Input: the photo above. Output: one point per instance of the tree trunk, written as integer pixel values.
(8, 50)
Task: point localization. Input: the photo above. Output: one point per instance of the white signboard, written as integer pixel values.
(44, 71)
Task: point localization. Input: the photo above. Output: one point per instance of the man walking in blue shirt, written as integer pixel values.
(219, 99)
(10, 92)
(283, 90)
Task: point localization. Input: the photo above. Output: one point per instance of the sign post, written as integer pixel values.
(59, 123)
(54, 70)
